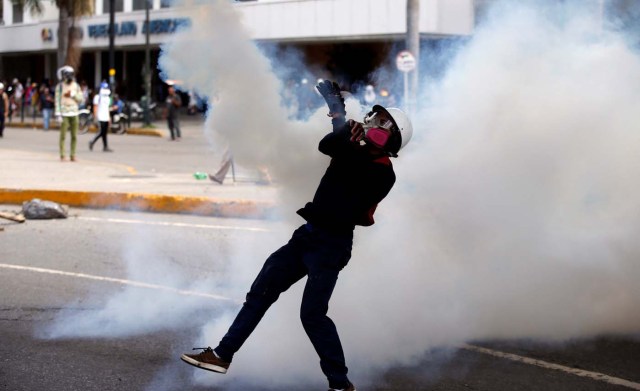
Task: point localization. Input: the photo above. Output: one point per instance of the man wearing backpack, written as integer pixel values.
(101, 112)
(67, 97)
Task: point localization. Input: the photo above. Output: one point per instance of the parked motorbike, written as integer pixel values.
(137, 111)
(85, 120)
(119, 123)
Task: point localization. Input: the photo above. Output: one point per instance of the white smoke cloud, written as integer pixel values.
(514, 213)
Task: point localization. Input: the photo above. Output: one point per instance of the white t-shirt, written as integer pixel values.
(102, 100)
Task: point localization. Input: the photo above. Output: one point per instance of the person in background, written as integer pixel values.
(4, 108)
(34, 100)
(67, 97)
(85, 95)
(101, 112)
(17, 97)
(171, 113)
(46, 103)
(117, 106)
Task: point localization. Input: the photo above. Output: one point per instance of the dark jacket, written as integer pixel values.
(353, 185)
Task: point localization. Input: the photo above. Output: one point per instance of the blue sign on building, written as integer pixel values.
(121, 29)
(166, 26)
(158, 26)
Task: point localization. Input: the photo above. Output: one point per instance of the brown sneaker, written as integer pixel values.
(206, 360)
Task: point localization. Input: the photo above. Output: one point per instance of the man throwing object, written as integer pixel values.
(359, 176)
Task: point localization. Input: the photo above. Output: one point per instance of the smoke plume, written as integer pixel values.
(515, 210)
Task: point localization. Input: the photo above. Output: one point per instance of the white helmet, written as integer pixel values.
(403, 125)
(66, 70)
(1, 86)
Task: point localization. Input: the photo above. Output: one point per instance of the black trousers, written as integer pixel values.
(174, 127)
(104, 129)
(1, 123)
(311, 252)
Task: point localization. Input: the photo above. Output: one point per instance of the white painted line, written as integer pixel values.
(168, 224)
(117, 280)
(543, 364)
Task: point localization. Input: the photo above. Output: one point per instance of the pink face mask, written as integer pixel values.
(377, 137)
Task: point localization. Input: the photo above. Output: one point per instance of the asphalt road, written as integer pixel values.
(91, 249)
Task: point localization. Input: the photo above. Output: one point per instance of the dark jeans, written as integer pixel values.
(1, 123)
(174, 126)
(320, 255)
(102, 134)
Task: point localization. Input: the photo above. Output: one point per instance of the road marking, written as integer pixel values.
(168, 224)
(117, 280)
(543, 364)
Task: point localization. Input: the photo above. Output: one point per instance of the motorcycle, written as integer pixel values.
(137, 111)
(119, 123)
(85, 120)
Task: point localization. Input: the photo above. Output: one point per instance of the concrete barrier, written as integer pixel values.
(203, 206)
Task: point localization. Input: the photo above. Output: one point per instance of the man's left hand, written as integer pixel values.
(357, 131)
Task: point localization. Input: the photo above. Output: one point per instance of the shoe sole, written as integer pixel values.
(201, 365)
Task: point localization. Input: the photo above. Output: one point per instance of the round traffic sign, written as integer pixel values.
(405, 61)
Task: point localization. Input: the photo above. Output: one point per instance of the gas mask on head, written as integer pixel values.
(377, 131)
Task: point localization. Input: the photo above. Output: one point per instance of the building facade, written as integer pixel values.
(28, 43)
(360, 33)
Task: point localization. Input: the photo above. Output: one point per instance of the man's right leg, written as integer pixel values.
(281, 270)
(171, 128)
(63, 132)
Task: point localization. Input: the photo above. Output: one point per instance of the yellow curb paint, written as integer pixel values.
(203, 206)
(145, 132)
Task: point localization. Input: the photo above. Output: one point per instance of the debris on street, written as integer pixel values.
(37, 209)
(17, 217)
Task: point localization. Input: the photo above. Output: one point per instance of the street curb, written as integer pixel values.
(134, 131)
(145, 132)
(140, 202)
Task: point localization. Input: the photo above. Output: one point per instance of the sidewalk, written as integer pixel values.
(135, 128)
(144, 174)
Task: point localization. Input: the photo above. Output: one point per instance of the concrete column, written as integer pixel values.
(7, 12)
(128, 5)
(98, 69)
(156, 4)
(99, 7)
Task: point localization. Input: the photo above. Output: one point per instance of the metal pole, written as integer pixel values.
(112, 38)
(407, 106)
(413, 46)
(147, 67)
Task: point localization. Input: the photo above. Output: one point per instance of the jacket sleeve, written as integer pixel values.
(337, 143)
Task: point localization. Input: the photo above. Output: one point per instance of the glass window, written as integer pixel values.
(18, 13)
(119, 6)
(140, 4)
(165, 3)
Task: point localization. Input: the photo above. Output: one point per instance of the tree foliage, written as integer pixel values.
(68, 38)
